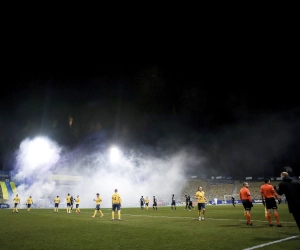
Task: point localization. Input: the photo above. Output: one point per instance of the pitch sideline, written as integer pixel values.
(272, 242)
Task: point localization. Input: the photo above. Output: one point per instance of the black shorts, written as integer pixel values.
(271, 203)
(28, 205)
(247, 204)
(116, 206)
(201, 205)
(155, 204)
(173, 203)
(56, 204)
(77, 205)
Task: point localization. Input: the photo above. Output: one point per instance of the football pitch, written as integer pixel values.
(224, 227)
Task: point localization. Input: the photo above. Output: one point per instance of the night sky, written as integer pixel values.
(240, 110)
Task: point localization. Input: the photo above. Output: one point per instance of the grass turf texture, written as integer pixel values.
(224, 227)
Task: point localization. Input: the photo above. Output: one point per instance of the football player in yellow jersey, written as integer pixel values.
(16, 202)
(29, 202)
(77, 201)
(147, 202)
(68, 198)
(116, 204)
(56, 203)
(200, 196)
(98, 200)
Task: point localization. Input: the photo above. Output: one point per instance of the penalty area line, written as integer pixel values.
(272, 242)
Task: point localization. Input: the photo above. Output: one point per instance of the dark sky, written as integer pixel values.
(239, 109)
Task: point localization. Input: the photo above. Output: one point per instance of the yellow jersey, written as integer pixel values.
(116, 199)
(200, 195)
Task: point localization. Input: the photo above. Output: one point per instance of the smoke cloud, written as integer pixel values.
(85, 172)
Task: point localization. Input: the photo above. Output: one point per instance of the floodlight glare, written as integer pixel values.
(115, 154)
(36, 153)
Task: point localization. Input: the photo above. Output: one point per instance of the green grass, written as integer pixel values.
(224, 227)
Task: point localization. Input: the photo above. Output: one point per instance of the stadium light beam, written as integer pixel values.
(115, 154)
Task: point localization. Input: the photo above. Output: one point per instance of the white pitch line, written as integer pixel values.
(270, 243)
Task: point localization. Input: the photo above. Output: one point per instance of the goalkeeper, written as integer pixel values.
(268, 196)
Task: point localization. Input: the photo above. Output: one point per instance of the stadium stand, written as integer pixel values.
(4, 190)
(191, 186)
(9, 189)
(13, 187)
(219, 188)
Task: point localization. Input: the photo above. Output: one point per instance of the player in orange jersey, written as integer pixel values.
(268, 195)
(246, 199)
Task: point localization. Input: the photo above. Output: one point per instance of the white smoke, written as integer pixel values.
(83, 173)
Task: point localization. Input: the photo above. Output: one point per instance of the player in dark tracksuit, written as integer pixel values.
(142, 201)
(173, 203)
(154, 203)
(186, 201)
(233, 201)
(190, 203)
(71, 202)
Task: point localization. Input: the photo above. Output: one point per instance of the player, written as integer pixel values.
(142, 201)
(186, 202)
(154, 204)
(233, 201)
(29, 202)
(71, 203)
(147, 202)
(56, 203)
(190, 203)
(77, 201)
(173, 203)
(116, 205)
(98, 200)
(246, 199)
(68, 198)
(268, 195)
(16, 202)
(200, 196)
(216, 201)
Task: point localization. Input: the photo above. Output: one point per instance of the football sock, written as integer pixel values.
(269, 218)
(112, 214)
(276, 215)
(119, 214)
(101, 212)
(248, 218)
